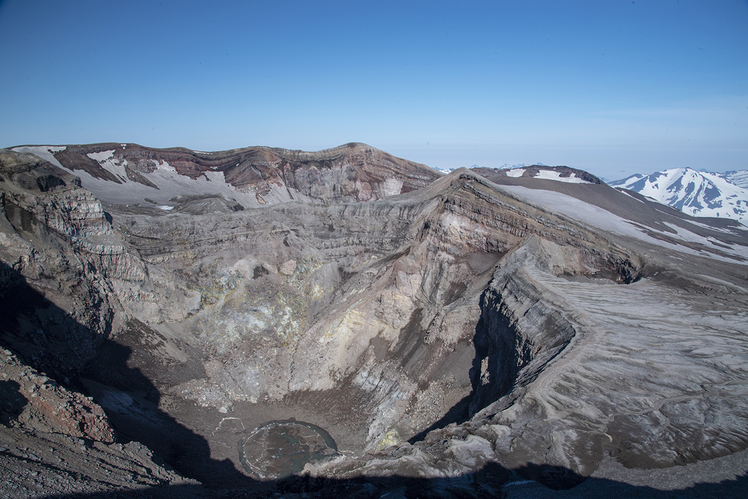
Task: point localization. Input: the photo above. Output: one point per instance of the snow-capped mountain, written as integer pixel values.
(699, 194)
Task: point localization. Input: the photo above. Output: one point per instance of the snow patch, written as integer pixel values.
(166, 167)
(739, 178)
(109, 163)
(515, 173)
(168, 181)
(730, 230)
(44, 152)
(628, 193)
(101, 156)
(556, 175)
(689, 236)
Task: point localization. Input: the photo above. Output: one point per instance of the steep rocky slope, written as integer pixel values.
(54, 441)
(61, 263)
(460, 332)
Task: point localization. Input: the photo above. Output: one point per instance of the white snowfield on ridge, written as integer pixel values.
(167, 181)
(699, 194)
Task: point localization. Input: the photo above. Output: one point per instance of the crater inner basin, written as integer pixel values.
(278, 449)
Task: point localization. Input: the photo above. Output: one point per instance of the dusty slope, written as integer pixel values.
(543, 336)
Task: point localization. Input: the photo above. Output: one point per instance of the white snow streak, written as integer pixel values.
(44, 152)
(739, 178)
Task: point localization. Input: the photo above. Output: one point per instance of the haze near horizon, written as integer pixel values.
(615, 88)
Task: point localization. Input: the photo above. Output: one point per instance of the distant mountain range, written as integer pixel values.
(700, 194)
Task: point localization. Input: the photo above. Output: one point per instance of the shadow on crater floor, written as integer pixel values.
(491, 482)
(489, 382)
(12, 401)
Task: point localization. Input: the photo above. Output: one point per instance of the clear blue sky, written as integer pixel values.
(613, 87)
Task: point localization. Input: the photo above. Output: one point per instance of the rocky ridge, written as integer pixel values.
(458, 331)
(231, 180)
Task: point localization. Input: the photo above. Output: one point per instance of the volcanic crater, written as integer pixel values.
(260, 313)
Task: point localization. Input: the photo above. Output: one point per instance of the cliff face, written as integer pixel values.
(55, 235)
(58, 238)
(448, 329)
(62, 264)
